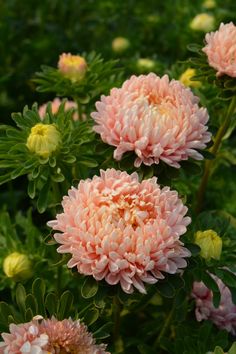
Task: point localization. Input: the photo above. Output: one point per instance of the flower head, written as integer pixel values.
(203, 22)
(43, 139)
(24, 338)
(209, 4)
(186, 77)
(210, 244)
(156, 118)
(55, 107)
(17, 266)
(120, 44)
(224, 316)
(145, 64)
(121, 230)
(73, 67)
(221, 49)
(69, 336)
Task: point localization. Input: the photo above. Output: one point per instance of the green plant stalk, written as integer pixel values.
(164, 328)
(116, 328)
(214, 149)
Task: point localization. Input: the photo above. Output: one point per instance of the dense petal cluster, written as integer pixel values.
(122, 230)
(224, 316)
(221, 49)
(55, 104)
(50, 337)
(73, 67)
(156, 118)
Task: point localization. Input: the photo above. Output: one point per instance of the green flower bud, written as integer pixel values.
(210, 244)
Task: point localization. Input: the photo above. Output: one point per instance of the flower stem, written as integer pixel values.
(164, 328)
(116, 328)
(214, 149)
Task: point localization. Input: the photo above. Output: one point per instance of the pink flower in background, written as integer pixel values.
(24, 338)
(55, 104)
(221, 49)
(69, 336)
(156, 118)
(122, 230)
(224, 316)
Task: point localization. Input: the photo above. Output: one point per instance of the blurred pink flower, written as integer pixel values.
(24, 338)
(156, 118)
(224, 316)
(69, 336)
(221, 49)
(122, 230)
(55, 107)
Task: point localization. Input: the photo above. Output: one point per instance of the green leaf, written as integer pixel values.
(91, 316)
(218, 350)
(31, 189)
(65, 304)
(212, 285)
(20, 297)
(30, 302)
(89, 287)
(43, 197)
(28, 315)
(166, 289)
(51, 303)
(232, 350)
(38, 291)
(104, 331)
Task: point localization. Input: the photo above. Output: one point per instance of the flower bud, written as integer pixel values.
(120, 44)
(203, 22)
(145, 64)
(73, 67)
(210, 244)
(17, 266)
(186, 76)
(209, 4)
(43, 139)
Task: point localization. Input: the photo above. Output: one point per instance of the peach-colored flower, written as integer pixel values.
(23, 338)
(122, 230)
(224, 316)
(221, 49)
(55, 104)
(156, 118)
(73, 67)
(69, 336)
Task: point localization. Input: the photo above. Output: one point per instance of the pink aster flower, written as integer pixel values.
(156, 118)
(55, 107)
(221, 49)
(69, 336)
(224, 316)
(122, 230)
(24, 338)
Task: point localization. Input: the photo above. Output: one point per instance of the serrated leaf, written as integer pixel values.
(89, 288)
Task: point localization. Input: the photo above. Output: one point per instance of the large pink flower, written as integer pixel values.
(122, 230)
(221, 49)
(24, 338)
(224, 316)
(156, 118)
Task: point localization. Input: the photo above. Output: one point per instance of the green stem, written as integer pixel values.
(116, 328)
(214, 149)
(164, 328)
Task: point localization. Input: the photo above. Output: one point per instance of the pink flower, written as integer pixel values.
(50, 337)
(221, 49)
(69, 336)
(24, 338)
(224, 316)
(122, 230)
(55, 107)
(156, 118)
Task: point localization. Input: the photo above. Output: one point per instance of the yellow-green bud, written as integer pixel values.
(120, 44)
(17, 266)
(186, 76)
(43, 139)
(145, 64)
(203, 22)
(209, 4)
(73, 67)
(210, 243)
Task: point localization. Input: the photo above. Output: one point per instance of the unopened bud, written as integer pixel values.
(17, 266)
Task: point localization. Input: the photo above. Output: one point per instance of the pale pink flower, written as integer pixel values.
(156, 118)
(122, 230)
(224, 316)
(55, 104)
(69, 336)
(221, 49)
(24, 339)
